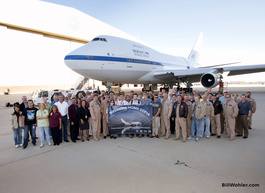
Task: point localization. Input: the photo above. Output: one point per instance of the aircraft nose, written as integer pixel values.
(68, 61)
(80, 54)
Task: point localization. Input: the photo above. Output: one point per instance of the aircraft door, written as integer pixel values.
(129, 64)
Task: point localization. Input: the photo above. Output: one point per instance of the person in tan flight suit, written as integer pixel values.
(237, 100)
(104, 111)
(165, 116)
(186, 100)
(254, 108)
(230, 112)
(180, 113)
(95, 112)
(216, 121)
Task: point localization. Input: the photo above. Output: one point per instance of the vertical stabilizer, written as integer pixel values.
(194, 54)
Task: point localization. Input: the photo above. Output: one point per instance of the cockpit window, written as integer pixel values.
(95, 39)
(99, 39)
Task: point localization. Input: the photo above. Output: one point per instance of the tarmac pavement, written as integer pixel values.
(135, 165)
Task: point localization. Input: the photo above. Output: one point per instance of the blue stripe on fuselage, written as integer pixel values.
(111, 59)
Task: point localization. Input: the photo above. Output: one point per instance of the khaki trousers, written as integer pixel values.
(216, 124)
(188, 126)
(156, 125)
(96, 127)
(243, 125)
(165, 125)
(230, 126)
(180, 122)
(236, 127)
(250, 120)
(90, 126)
(105, 127)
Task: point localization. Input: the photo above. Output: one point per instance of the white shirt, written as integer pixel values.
(119, 103)
(136, 102)
(62, 107)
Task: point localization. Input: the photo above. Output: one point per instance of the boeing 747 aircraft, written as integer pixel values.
(132, 124)
(117, 60)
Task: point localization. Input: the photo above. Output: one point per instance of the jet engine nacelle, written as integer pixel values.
(210, 80)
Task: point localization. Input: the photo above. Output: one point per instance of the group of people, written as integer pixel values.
(188, 116)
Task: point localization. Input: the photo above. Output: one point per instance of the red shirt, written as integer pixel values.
(54, 119)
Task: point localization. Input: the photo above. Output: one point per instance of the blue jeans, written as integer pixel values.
(63, 131)
(50, 133)
(26, 136)
(18, 136)
(206, 124)
(198, 125)
(47, 134)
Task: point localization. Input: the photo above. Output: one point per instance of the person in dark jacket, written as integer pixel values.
(24, 104)
(172, 120)
(74, 120)
(84, 114)
(216, 121)
(180, 112)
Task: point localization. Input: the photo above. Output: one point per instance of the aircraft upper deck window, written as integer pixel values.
(99, 39)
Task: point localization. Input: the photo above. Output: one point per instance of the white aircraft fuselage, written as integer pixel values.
(119, 60)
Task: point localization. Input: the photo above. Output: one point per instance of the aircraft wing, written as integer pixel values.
(237, 70)
(166, 74)
(198, 72)
(184, 75)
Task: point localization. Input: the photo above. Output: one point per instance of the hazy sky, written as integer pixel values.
(233, 30)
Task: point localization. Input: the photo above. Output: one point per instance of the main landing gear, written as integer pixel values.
(149, 87)
(167, 87)
(188, 88)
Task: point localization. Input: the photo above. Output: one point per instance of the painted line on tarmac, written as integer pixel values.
(219, 151)
(35, 155)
